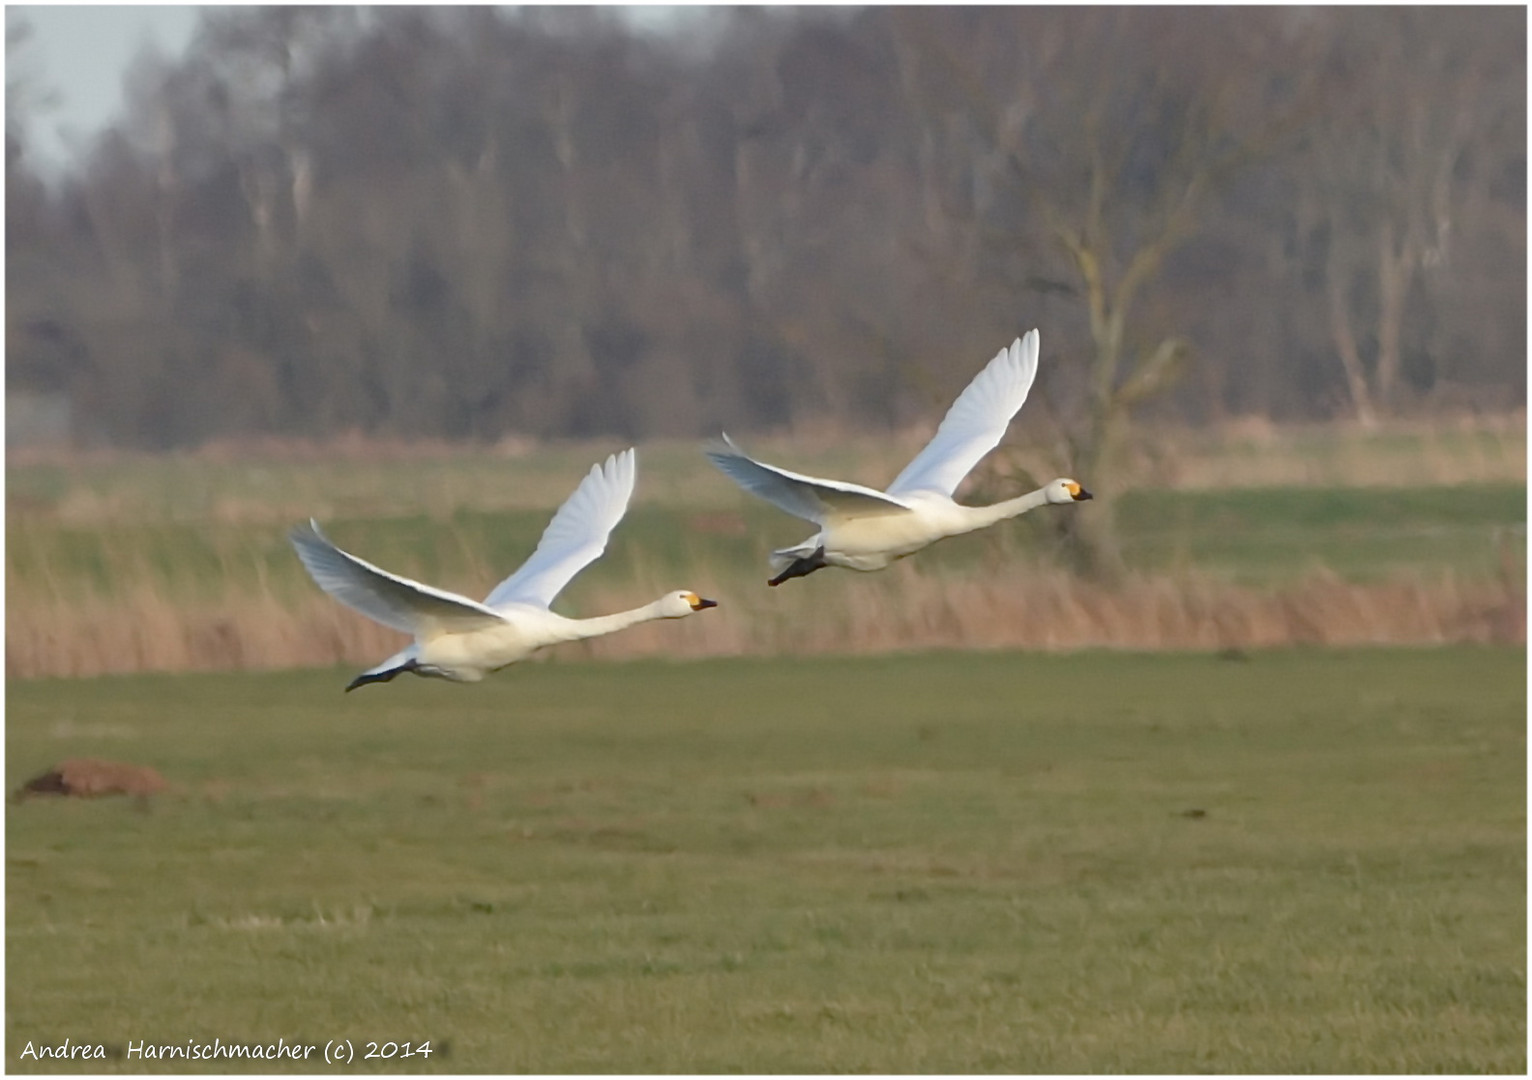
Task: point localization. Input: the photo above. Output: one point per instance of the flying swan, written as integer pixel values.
(863, 529)
(463, 640)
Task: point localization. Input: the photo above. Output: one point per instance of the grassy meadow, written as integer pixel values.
(1283, 861)
(947, 818)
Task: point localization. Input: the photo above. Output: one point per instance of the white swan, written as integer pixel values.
(462, 639)
(863, 529)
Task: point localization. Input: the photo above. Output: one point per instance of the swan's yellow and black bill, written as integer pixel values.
(698, 603)
(1078, 493)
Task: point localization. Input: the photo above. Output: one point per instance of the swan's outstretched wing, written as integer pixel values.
(575, 537)
(383, 597)
(976, 422)
(803, 496)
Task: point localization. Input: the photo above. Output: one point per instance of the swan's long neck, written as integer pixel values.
(982, 516)
(578, 629)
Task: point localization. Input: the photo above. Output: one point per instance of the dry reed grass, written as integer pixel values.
(904, 609)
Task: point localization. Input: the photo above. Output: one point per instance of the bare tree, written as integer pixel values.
(1105, 137)
(1410, 96)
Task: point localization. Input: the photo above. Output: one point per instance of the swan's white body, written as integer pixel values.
(864, 529)
(464, 640)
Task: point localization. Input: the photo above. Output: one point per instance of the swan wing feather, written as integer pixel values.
(386, 598)
(806, 497)
(976, 422)
(575, 537)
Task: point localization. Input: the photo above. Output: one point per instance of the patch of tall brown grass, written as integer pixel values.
(903, 609)
(1049, 612)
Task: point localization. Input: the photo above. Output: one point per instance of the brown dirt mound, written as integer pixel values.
(88, 778)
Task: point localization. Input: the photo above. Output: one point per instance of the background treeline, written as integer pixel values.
(467, 223)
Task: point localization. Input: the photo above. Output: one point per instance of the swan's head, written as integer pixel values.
(683, 602)
(1064, 490)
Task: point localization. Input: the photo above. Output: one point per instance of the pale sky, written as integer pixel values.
(79, 54)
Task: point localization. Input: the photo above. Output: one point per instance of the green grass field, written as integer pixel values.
(1286, 862)
(352, 479)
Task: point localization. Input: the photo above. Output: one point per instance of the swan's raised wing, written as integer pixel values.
(383, 597)
(976, 422)
(802, 496)
(575, 537)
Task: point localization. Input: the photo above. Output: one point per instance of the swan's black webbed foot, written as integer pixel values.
(381, 676)
(801, 567)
